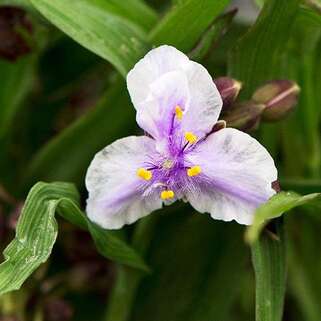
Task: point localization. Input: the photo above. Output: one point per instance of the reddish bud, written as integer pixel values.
(228, 88)
(221, 124)
(276, 186)
(279, 97)
(244, 116)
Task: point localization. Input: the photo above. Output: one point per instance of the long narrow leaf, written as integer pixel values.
(275, 207)
(98, 26)
(257, 55)
(37, 231)
(269, 260)
(185, 23)
(16, 82)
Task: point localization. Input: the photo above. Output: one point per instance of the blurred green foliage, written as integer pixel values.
(66, 99)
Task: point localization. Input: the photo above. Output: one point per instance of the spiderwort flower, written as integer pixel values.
(226, 173)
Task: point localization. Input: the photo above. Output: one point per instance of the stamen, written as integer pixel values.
(144, 174)
(167, 194)
(193, 171)
(190, 137)
(178, 112)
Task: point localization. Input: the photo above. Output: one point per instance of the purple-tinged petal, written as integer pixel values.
(155, 64)
(117, 196)
(205, 101)
(157, 113)
(237, 176)
(158, 69)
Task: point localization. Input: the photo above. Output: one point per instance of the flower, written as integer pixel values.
(226, 172)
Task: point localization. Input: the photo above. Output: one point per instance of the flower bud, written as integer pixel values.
(244, 116)
(276, 186)
(279, 97)
(221, 124)
(228, 88)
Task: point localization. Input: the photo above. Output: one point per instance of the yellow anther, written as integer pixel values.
(190, 137)
(193, 171)
(178, 112)
(144, 174)
(165, 195)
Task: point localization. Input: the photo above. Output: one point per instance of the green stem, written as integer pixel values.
(128, 280)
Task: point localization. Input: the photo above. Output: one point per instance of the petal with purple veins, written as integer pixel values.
(157, 113)
(117, 196)
(205, 101)
(237, 176)
(160, 68)
(155, 64)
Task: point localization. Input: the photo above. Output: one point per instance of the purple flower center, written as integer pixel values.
(169, 172)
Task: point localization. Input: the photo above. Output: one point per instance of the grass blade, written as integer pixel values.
(269, 261)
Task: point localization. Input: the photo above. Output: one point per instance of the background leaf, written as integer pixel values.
(103, 27)
(189, 19)
(211, 37)
(188, 255)
(275, 207)
(256, 56)
(269, 260)
(68, 155)
(37, 230)
(17, 81)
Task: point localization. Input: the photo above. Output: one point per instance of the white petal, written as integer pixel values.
(237, 176)
(117, 196)
(157, 111)
(205, 102)
(156, 63)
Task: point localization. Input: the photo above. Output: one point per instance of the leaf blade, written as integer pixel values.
(98, 28)
(189, 19)
(275, 207)
(256, 56)
(269, 261)
(37, 231)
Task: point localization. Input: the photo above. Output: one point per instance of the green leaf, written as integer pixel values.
(184, 24)
(195, 257)
(19, 3)
(37, 230)
(211, 36)
(301, 186)
(311, 14)
(269, 261)
(103, 27)
(303, 127)
(67, 156)
(256, 57)
(133, 10)
(275, 207)
(17, 80)
(304, 239)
